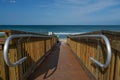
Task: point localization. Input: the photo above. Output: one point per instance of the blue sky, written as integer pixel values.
(59, 12)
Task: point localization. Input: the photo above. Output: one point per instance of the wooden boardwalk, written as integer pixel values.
(59, 61)
(61, 64)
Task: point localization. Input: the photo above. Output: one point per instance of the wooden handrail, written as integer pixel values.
(107, 43)
(6, 47)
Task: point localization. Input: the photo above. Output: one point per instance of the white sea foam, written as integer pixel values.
(67, 33)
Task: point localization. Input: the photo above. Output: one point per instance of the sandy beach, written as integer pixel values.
(63, 40)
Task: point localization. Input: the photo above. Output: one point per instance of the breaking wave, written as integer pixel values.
(67, 33)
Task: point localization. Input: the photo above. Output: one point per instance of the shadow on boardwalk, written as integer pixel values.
(49, 66)
(1, 78)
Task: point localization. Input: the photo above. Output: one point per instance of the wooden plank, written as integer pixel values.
(117, 68)
(19, 55)
(112, 69)
(3, 68)
(12, 70)
(16, 51)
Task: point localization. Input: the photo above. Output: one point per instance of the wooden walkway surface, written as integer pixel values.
(61, 64)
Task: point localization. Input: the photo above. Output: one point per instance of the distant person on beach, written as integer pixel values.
(58, 41)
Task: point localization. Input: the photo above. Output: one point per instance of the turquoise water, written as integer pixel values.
(61, 30)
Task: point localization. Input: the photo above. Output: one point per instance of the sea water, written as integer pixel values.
(60, 30)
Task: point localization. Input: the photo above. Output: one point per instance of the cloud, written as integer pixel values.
(80, 7)
(91, 8)
(88, 11)
(73, 2)
(12, 1)
(86, 6)
(82, 11)
(72, 12)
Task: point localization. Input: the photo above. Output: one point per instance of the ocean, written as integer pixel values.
(60, 30)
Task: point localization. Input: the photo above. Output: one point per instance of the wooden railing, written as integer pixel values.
(34, 48)
(87, 47)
